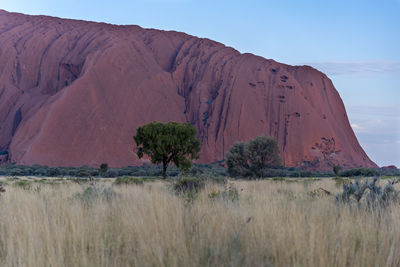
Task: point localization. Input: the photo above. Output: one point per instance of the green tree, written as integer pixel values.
(168, 142)
(254, 157)
(262, 153)
(103, 168)
(336, 169)
(236, 160)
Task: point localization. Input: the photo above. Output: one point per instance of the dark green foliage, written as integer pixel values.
(53, 172)
(389, 172)
(16, 172)
(189, 187)
(103, 168)
(189, 184)
(40, 172)
(149, 170)
(369, 194)
(263, 152)
(4, 152)
(336, 169)
(166, 143)
(83, 173)
(207, 171)
(237, 160)
(359, 172)
(253, 158)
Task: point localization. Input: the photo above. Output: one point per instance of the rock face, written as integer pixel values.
(72, 93)
(390, 167)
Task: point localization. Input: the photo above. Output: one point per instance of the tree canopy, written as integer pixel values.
(168, 142)
(253, 158)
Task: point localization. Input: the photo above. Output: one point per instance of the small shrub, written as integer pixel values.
(83, 173)
(93, 193)
(188, 187)
(40, 172)
(188, 184)
(16, 172)
(369, 194)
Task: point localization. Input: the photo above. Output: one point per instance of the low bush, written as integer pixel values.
(359, 172)
(187, 184)
(188, 187)
(94, 193)
(369, 193)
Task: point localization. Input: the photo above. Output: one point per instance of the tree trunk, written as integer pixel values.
(164, 171)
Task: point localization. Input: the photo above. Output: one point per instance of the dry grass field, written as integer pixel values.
(271, 223)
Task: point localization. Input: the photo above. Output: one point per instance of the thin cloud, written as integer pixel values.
(356, 127)
(366, 67)
(391, 112)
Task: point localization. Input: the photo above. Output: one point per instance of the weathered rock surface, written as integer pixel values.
(73, 93)
(390, 167)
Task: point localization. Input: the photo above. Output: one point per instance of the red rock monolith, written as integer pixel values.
(72, 93)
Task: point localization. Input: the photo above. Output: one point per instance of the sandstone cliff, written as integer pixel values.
(73, 93)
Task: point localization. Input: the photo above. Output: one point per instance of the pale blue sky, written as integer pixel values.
(355, 42)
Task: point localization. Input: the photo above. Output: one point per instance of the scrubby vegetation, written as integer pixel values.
(147, 170)
(254, 158)
(197, 170)
(369, 194)
(360, 172)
